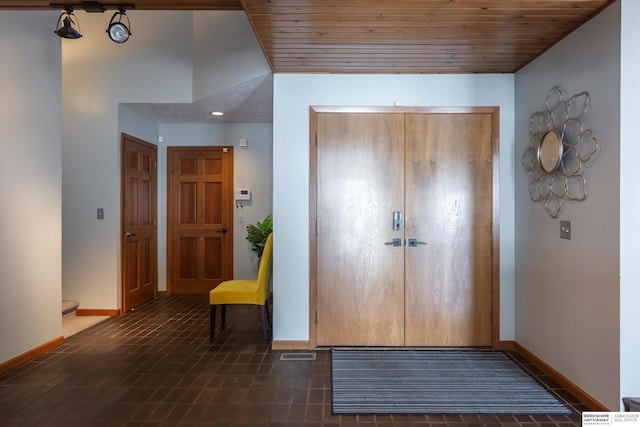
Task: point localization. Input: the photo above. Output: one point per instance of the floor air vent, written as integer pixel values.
(298, 356)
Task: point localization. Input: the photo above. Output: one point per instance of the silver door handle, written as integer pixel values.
(129, 234)
(395, 242)
(414, 242)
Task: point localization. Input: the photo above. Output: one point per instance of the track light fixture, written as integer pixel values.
(66, 22)
(117, 30)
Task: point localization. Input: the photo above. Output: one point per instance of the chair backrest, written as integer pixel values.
(264, 271)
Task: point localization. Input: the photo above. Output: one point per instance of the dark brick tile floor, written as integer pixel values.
(156, 366)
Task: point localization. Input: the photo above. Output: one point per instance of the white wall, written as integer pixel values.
(629, 202)
(153, 66)
(567, 291)
(293, 94)
(226, 52)
(30, 182)
(135, 124)
(252, 168)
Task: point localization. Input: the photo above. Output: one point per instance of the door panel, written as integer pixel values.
(449, 209)
(139, 247)
(360, 291)
(438, 169)
(201, 218)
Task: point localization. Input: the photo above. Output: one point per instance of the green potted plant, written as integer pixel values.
(257, 234)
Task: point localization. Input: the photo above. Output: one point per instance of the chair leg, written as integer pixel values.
(268, 315)
(263, 319)
(224, 315)
(212, 326)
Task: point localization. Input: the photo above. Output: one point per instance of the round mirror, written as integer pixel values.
(550, 151)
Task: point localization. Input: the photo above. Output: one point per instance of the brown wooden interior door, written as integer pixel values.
(360, 278)
(449, 209)
(200, 218)
(139, 234)
(435, 167)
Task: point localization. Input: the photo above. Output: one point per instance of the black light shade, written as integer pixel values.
(66, 30)
(117, 30)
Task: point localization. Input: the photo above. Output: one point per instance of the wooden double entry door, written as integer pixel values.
(404, 227)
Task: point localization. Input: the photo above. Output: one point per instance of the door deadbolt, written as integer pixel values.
(397, 221)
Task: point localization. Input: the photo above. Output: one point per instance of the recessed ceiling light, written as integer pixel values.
(217, 113)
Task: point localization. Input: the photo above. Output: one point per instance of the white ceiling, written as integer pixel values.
(248, 102)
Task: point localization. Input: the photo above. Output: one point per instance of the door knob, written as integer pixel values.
(222, 230)
(414, 242)
(129, 234)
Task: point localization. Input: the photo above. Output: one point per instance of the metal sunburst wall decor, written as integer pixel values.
(559, 148)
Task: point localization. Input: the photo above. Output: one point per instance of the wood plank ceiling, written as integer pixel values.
(394, 36)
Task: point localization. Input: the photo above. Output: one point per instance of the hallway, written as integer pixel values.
(155, 366)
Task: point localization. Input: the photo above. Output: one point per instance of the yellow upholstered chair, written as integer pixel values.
(245, 291)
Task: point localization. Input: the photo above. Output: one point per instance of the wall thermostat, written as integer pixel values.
(243, 194)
